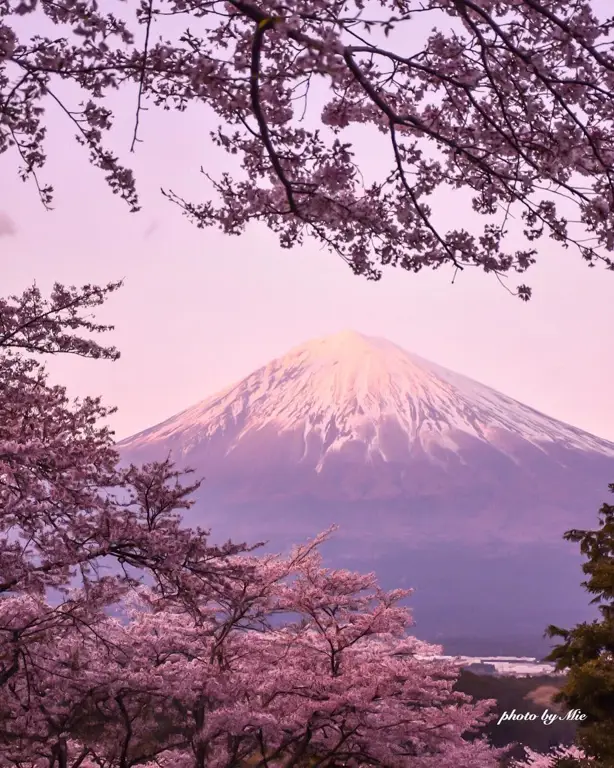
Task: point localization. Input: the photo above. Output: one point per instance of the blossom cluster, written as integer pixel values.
(129, 639)
(509, 103)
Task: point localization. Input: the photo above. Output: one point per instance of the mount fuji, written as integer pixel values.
(436, 482)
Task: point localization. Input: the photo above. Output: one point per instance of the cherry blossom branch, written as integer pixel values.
(263, 25)
(148, 22)
(515, 102)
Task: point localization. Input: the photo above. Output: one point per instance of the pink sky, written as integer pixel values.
(200, 309)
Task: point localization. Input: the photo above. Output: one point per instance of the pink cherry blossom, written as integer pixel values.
(509, 103)
(127, 639)
(537, 760)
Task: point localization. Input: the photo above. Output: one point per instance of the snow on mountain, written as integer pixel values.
(350, 389)
(435, 481)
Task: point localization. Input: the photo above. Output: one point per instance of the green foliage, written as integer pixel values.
(587, 650)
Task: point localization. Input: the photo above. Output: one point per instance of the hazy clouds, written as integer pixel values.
(7, 225)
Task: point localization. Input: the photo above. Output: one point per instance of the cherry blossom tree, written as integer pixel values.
(127, 639)
(67, 511)
(508, 102)
(562, 757)
(340, 684)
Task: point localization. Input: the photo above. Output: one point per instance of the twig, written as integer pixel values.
(139, 107)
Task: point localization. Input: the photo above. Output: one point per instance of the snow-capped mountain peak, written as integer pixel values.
(436, 482)
(348, 390)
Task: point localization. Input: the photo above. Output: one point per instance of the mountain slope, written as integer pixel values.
(436, 481)
(350, 388)
(349, 418)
